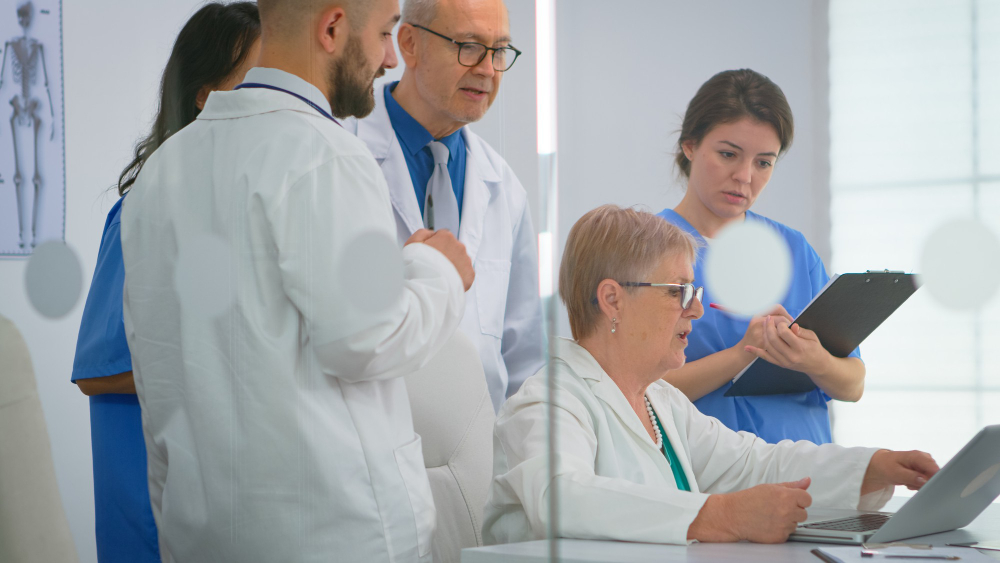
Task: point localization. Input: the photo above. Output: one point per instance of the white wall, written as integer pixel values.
(626, 72)
(625, 78)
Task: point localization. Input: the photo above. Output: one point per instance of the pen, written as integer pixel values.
(873, 553)
(826, 557)
(724, 310)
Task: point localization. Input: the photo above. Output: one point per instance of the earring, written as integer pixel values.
(613, 321)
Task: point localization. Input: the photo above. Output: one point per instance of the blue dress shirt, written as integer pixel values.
(413, 138)
(125, 528)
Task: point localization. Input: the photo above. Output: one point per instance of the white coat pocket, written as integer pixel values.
(410, 459)
(492, 279)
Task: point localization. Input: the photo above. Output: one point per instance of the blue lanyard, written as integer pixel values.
(303, 98)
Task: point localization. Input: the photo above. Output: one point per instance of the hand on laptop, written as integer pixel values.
(761, 514)
(888, 468)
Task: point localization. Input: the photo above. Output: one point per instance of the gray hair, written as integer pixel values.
(616, 243)
(419, 12)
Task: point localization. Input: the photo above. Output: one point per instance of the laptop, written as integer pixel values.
(951, 499)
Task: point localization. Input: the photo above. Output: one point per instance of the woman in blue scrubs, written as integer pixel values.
(213, 52)
(734, 130)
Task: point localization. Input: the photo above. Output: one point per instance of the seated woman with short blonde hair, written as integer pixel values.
(636, 461)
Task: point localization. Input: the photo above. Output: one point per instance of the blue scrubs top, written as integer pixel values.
(126, 531)
(796, 416)
(413, 138)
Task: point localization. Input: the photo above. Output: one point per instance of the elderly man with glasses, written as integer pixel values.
(441, 175)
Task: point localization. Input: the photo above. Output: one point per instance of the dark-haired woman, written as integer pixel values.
(734, 130)
(213, 51)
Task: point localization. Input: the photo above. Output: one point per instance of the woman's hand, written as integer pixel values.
(799, 349)
(761, 514)
(793, 347)
(911, 469)
(754, 336)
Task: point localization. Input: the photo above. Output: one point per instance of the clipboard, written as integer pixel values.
(848, 309)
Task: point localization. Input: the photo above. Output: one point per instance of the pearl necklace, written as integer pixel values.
(656, 427)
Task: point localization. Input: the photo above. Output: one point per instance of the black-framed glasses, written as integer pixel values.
(471, 53)
(688, 291)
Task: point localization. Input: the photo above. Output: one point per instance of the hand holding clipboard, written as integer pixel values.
(790, 346)
(778, 339)
(842, 315)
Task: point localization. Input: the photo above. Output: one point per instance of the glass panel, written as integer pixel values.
(939, 423)
(921, 345)
(889, 122)
(989, 205)
(902, 162)
(988, 75)
(886, 228)
(990, 407)
(934, 422)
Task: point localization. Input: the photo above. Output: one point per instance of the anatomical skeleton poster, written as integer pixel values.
(32, 149)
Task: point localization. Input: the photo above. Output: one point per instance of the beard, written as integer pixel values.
(352, 83)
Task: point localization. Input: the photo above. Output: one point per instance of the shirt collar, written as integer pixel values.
(412, 135)
(290, 82)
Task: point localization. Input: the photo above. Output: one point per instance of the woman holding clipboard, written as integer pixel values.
(734, 130)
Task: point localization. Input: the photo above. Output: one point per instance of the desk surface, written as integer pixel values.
(984, 528)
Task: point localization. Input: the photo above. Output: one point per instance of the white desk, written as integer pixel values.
(984, 528)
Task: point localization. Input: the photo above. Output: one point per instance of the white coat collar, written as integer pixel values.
(584, 365)
(247, 102)
(483, 175)
(290, 82)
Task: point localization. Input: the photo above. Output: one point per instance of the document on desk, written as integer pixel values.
(904, 553)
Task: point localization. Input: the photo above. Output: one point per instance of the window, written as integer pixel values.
(915, 141)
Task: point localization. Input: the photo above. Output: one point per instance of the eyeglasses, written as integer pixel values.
(471, 54)
(688, 295)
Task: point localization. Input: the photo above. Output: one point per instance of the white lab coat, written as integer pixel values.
(612, 481)
(279, 430)
(503, 315)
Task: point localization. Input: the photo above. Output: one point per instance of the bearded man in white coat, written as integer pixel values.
(441, 175)
(271, 316)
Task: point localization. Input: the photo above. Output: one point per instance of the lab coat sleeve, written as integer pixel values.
(590, 506)
(335, 238)
(522, 345)
(726, 461)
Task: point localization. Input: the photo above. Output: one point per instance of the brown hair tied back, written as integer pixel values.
(729, 96)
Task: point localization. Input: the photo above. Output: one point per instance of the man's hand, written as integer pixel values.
(420, 235)
(446, 243)
(911, 469)
(761, 514)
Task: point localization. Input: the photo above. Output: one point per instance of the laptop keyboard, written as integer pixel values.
(859, 523)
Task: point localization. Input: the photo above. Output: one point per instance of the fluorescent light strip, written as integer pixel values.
(545, 77)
